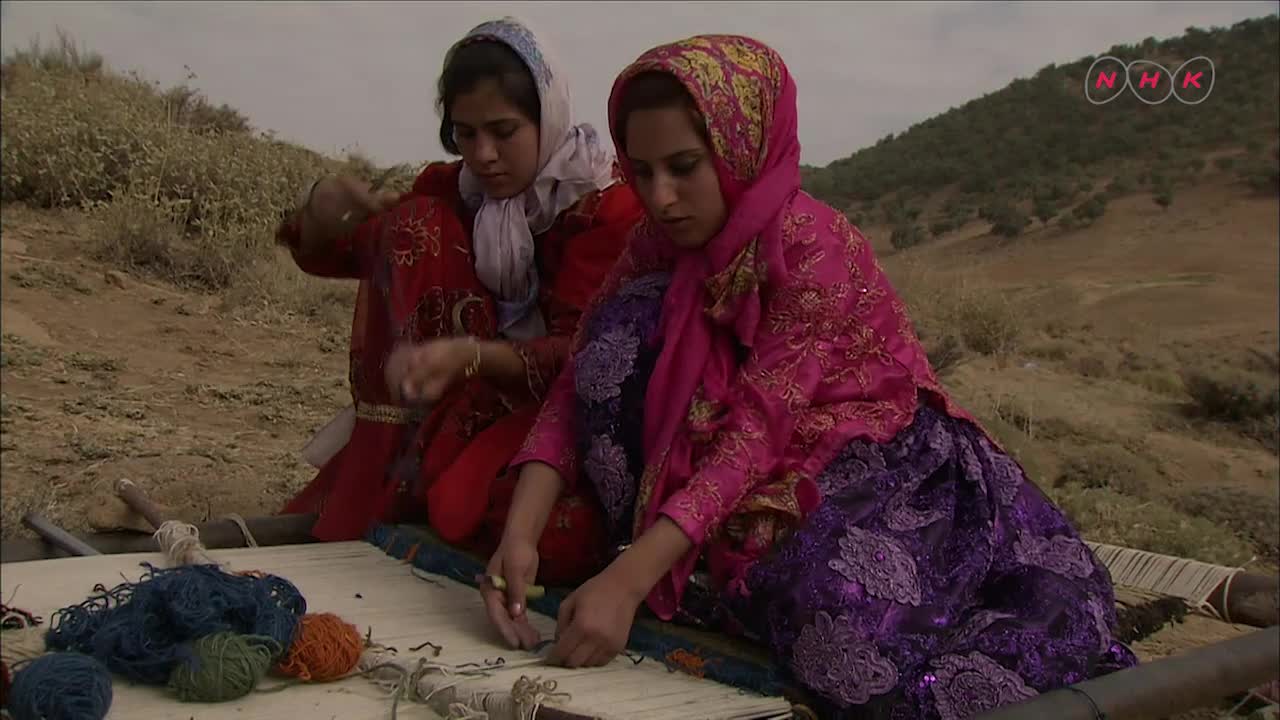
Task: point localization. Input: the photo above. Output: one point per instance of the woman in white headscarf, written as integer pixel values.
(472, 284)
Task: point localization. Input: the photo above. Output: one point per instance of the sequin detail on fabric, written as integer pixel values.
(1061, 554)
(605, 363)
(885, 569)
(968, 685)
(612, 373)
(833, 659)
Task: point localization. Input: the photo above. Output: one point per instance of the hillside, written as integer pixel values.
(152, 331)
(1037, 150)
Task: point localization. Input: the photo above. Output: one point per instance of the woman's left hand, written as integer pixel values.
(424, 373)
(595, 622)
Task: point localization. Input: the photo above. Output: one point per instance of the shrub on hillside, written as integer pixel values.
(959, 317)
(1260, 174)
(1108, 516)
(69, 140)
(1230, 396)
(179, 188)
(1247, 402)
(1006, 219)
(1045, 210)
(1121, 185)
(1111, 466)
(1252, 516)
(64, 57)
(938, 228)
(188, 107)
(1087, 212)
(906, 235)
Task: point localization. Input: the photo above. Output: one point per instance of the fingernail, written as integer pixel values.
(517, 608)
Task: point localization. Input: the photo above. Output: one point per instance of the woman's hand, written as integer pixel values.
(336, 205)
(516, 562)
(595, 621)
(424, 373)
(342, 199)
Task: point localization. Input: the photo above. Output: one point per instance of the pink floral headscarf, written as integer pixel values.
(748, 98)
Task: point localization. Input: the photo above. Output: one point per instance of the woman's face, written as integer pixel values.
(498, 142)
(675, 175)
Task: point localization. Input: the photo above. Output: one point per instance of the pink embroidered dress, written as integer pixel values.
(768, 394)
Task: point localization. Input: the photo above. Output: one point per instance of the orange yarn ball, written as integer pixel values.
(325, 648)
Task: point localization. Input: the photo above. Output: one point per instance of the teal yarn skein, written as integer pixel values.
(225, 666)
(60, 686)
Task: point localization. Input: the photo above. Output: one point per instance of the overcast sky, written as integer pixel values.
(335, 75)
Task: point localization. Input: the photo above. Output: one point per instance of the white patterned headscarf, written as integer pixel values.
(571, 163)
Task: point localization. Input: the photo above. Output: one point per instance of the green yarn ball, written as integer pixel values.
(226, 667)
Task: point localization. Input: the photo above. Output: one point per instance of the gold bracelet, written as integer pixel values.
(473, 367)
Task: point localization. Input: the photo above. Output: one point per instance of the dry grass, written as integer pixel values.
(958, 317)
(183, 190)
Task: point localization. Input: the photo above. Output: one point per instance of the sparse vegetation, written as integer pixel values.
(1245, 401)
(185, 190)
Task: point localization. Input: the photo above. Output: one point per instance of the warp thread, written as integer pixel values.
(438, 686)
(326, 648)
(225, 666)
(4, 683)
(66, 686)
(143, 630)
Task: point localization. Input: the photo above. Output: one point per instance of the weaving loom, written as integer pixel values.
(411, 592)
(403, 609)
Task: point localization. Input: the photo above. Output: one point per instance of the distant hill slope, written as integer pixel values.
(1040, 141)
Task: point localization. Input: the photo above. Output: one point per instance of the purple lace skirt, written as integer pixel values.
(934, 580)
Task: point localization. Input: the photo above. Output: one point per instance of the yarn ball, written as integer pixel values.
(23, 644)
(61, 686)
(144, 630)
(326, 648)
(224, 666)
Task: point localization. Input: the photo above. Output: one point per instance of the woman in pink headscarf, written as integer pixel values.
(750, 404)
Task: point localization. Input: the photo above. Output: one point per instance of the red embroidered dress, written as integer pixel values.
(449, 463)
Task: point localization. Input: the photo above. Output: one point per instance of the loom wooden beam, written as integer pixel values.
(56, 536)
(1249, 599)
(1162, 688)
(137, 500)
(218, 534)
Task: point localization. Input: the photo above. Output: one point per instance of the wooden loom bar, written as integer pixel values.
(56, 536)
(1164, 687)
(217, 534)
(133, 496)
(1250, 599)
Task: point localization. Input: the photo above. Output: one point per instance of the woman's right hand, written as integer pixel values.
(338, 204)
(516, 562)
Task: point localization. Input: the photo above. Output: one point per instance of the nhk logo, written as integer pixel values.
(1191, 83)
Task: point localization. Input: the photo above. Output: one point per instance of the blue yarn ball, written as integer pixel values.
(143, 630)
(61, 686)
